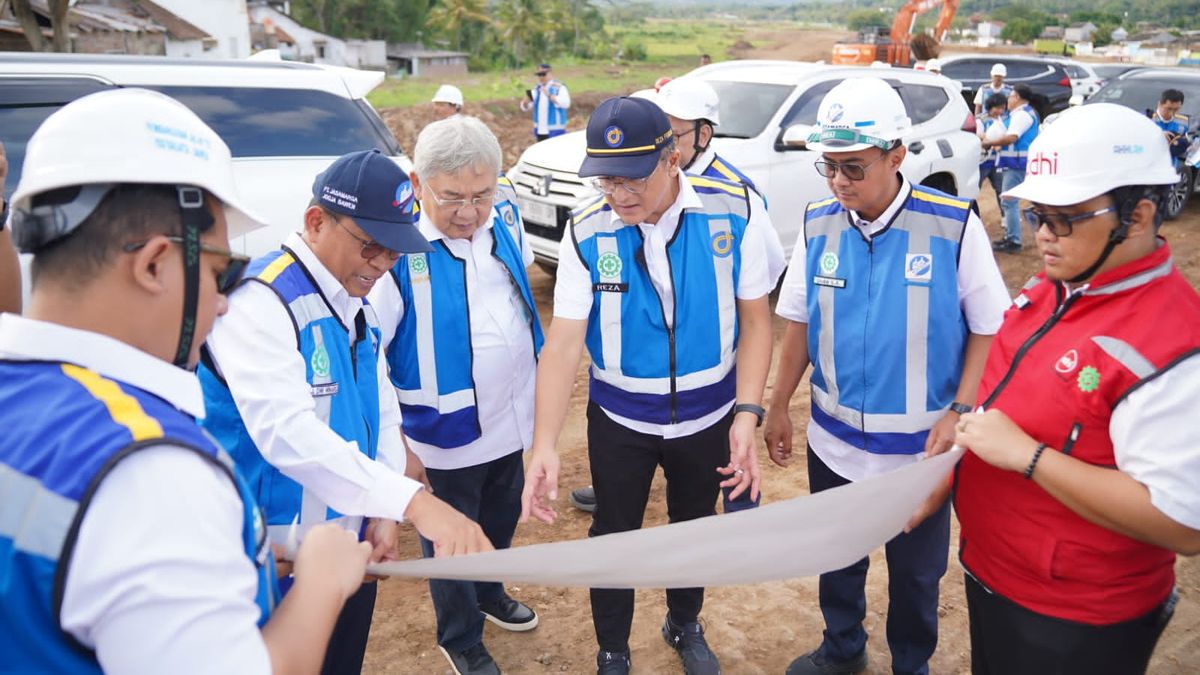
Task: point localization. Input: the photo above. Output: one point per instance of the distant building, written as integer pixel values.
(1052, 33)
(1119, 35)
(225, 20)
(989, 32)
(417, 61)
(114, 27)
(1079, 32)
(272, 28)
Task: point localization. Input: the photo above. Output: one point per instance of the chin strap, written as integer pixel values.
(195, 218)
(1126, 199)
(696, 147)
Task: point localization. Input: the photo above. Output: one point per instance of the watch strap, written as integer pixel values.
(758, 411)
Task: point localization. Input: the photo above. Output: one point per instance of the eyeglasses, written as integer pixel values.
(371, 249)
(850, 170)
(480, 202)
(1059, 225)
(227, 279)
(634, 186)
(542, 74)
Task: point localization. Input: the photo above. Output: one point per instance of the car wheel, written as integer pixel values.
(1177, 198)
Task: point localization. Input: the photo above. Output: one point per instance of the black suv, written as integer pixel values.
(1049, 81)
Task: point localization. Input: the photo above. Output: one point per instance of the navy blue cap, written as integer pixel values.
(373, 190)
(624, 138)
(543, 66)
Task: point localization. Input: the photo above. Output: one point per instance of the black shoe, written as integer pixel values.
(613, 663)
(1007, 246)
(509, 614)
(475, 661)
(584, 499)
(816, 663)
(688, 640)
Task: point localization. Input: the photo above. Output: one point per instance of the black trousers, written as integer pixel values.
(623, 463)
(348, 644)
(1007, 638)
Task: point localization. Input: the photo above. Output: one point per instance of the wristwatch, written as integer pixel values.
(758, 411)
(960, 408)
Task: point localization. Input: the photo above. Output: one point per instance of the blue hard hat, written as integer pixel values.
(373, 190)
(625, 137)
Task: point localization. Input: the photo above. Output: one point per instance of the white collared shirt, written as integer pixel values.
(503, 365)
(159, 580)
(573, 295)
(255, 348)
(982, 296)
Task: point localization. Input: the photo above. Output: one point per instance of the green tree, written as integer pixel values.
(865, 18)
(462, 20)
(1021, 31)
(518, 24)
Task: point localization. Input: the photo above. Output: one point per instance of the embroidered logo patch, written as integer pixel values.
(829, 263)
(320, 362)
(507, 215)
(613, 136)
(417, 264)
(1067, 362)
(722, 244)
(609, 265)
(918, 267)
(1088, 380)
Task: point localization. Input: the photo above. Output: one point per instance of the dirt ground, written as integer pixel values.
(753, 629)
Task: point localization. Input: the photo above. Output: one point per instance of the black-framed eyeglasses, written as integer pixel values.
(1060, 225)
(371, 249)
(851, 170)
(227, 279)
(542, 74)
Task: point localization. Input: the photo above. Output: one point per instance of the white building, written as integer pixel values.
(227, 21)
(297, 43)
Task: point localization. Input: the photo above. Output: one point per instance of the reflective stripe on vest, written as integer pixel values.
(877, 312)
(556, 117)
(1015, 155)
(719, 167)
(75, 426)
(651, 369)
(437, 388)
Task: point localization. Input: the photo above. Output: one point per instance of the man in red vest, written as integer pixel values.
(1080, 484)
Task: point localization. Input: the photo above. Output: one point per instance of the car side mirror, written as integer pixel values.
(794, 137)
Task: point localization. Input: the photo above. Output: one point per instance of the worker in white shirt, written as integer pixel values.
(128, 541)
(447, 102)
(461, 333)
(296, 386)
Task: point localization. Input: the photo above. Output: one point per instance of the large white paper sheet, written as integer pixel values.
(800, 537)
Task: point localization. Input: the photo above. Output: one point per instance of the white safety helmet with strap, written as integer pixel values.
(690, 98)
(859, 113)
(448, 93)
(120, 136)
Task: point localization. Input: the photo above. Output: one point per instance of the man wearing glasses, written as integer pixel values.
(548, 101)
(461, 333)
(892, 295)
(1080, 484)
(296, 385)
(665, 281)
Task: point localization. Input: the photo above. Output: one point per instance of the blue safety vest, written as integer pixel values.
(886, 333)
(430, 357)
(342, 380)
(1178, 126)
(1014, 156)
(66, 427)
(719, 167)
(643, 367)
(556, 117)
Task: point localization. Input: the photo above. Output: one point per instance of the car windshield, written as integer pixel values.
(747, 107)
(1142, 93)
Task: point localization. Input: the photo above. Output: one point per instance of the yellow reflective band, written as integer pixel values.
(274, 269)
(589, 210)
(724, 171)
(123, 408)
(701, 181)
(619, 151)
(503, 180)
(944, 201)
(824, 202)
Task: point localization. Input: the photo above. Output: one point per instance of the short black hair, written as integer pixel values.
(995, 100)
(1023, 91)
(1171, 96)
(128, 213)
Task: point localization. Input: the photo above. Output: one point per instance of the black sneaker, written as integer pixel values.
(509, 614)
(613, 663)
(473, 661)
(584, 499)
(1007, 246)
(688, 640)
(816, 663)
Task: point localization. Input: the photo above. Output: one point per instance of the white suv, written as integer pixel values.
(767, 111)
(284, 122)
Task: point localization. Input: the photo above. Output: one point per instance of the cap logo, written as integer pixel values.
(835, 112)
(1042, 165)
(613, 136)
(404, 193)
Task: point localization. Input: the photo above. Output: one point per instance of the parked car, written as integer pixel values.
(767, 110)
(1049, 80)
(1085, 81)
(1111, 71)
(1140, 89)
(284, 122)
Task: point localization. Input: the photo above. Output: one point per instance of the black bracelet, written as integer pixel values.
(758, 411)
(1037, 454)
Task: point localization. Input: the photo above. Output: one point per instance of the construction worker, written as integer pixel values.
(461, 333)
(128, 541)
(447, 102)
(996, 86)
(665, 324)
(992, 127)
(10, 267)
(548, 102)
(1079, 486)
(1173, 124)
(892, 295)
(296, 386)
(692, 108)
(1020, 130)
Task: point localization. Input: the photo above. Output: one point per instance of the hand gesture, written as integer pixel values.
(742, 470)
(451, 532)
(333, 556)
(541, 487)
(996, 439)
(778, 435)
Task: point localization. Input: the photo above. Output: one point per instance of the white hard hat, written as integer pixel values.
(933, 65)
(690, 98)
(448, 93)
(1090, 150)
(859, 113)
(128, 136)
(999, 69)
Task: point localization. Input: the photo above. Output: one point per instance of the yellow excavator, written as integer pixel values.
(898, 46)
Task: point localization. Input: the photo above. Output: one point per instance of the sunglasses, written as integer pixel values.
(850, 170)
(370, 248)
(1059, 225)
(542, 74)
(227, 278)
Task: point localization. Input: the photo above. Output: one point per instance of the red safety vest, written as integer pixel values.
(1058, 367)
